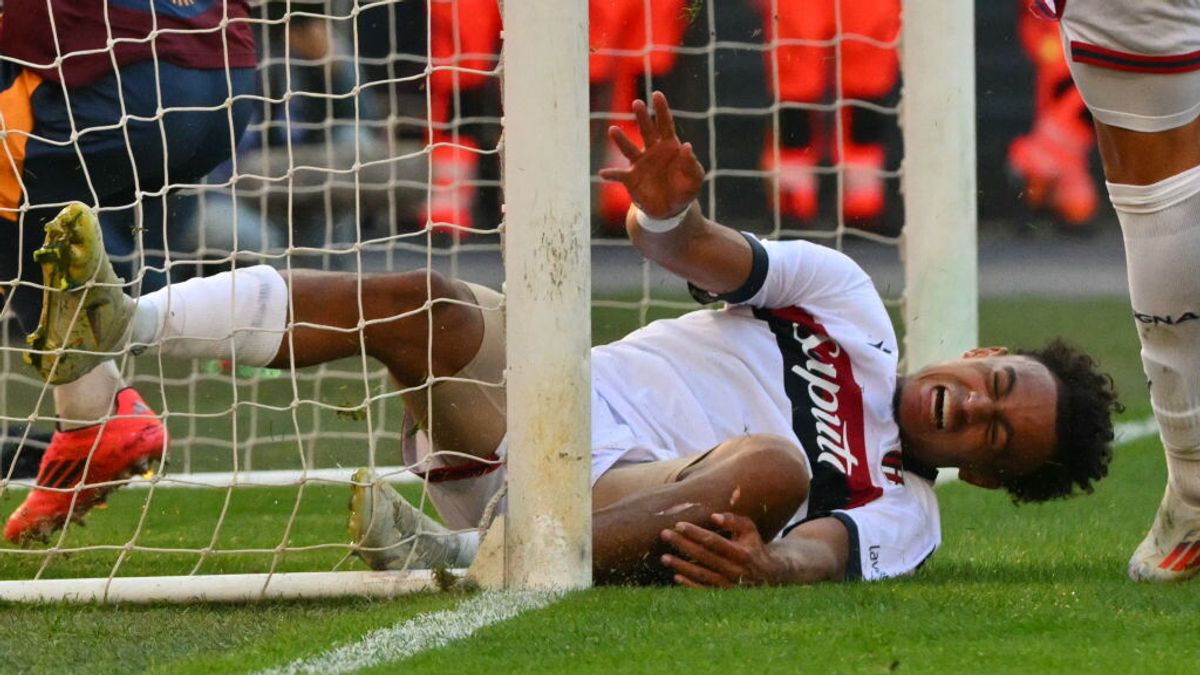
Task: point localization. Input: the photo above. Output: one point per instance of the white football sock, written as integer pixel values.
(1161, 226)
(239, 315)
(89, 399)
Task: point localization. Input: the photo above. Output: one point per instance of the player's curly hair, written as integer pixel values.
(1087, 399)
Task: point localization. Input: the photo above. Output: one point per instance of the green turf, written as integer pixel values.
(1014, 589)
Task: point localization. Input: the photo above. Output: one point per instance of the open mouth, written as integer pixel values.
(939, 407)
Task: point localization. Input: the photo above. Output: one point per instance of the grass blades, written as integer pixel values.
(1035, 588)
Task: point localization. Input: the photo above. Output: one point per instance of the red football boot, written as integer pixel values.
(73, 478)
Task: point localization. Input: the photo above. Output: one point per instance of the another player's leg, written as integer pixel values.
(427, 330)
(85, 312)
(761, 477)
(105, 430)
(449, 357)
(1155, 188)
(1149, 138)
(85, 318)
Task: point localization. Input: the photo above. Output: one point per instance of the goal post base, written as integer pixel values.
(223, 587)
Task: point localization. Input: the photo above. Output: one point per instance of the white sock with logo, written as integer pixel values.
(239, 315)
(1161, 226)
(89, 399)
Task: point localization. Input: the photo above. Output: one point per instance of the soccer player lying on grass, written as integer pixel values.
(768, 442)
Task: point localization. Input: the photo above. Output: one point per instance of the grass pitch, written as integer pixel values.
(1036, 588)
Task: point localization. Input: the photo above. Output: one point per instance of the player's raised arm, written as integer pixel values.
(665, 224)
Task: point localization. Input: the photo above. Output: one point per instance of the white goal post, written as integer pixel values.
(547, 290)
(341, 196)
(941, 280)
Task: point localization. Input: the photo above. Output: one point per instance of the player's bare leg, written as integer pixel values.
(423, 327)
(428, 331)
(418, 324)
(761, 477)
(1154, 184)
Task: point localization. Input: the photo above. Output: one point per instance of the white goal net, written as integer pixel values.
(390, 136)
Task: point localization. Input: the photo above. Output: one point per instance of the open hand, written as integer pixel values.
(664, 177)
(713, 560)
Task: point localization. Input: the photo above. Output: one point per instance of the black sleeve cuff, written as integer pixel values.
(854, 559)
(758, 274)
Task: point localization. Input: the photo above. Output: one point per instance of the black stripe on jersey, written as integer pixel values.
(758, 274)
(854, 559)
(831, 486)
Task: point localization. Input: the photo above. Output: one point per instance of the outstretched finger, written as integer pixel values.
(615, 175)
(624, 143)
(662, 115)
(645, 124)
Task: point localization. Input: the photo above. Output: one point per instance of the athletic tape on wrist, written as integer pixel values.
(660, 225)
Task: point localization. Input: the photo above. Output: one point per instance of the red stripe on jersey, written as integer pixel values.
(837, 407)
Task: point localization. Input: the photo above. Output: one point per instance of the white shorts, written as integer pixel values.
(462, 501)
(1136, 62)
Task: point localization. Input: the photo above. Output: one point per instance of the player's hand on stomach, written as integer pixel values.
(710, 559)
(664, 176)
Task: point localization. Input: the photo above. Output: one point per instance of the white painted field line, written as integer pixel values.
(1123, 432)
(423, 632)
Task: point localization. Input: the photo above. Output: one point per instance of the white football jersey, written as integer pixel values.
(808, 353)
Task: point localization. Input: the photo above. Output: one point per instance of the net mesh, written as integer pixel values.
(372, 140)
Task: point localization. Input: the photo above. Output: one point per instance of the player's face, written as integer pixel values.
(991, 414)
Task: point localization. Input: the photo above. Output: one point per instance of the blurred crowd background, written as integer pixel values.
(386, 125)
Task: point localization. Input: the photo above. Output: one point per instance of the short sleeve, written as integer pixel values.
(894, 534)
(758, 274)
(794, 274)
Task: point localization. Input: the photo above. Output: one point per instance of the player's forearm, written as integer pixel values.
(806, 562)
(706, 253)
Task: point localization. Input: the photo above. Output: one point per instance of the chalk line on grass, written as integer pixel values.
(423, 632)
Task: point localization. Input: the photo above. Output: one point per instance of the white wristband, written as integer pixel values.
(660, 225)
